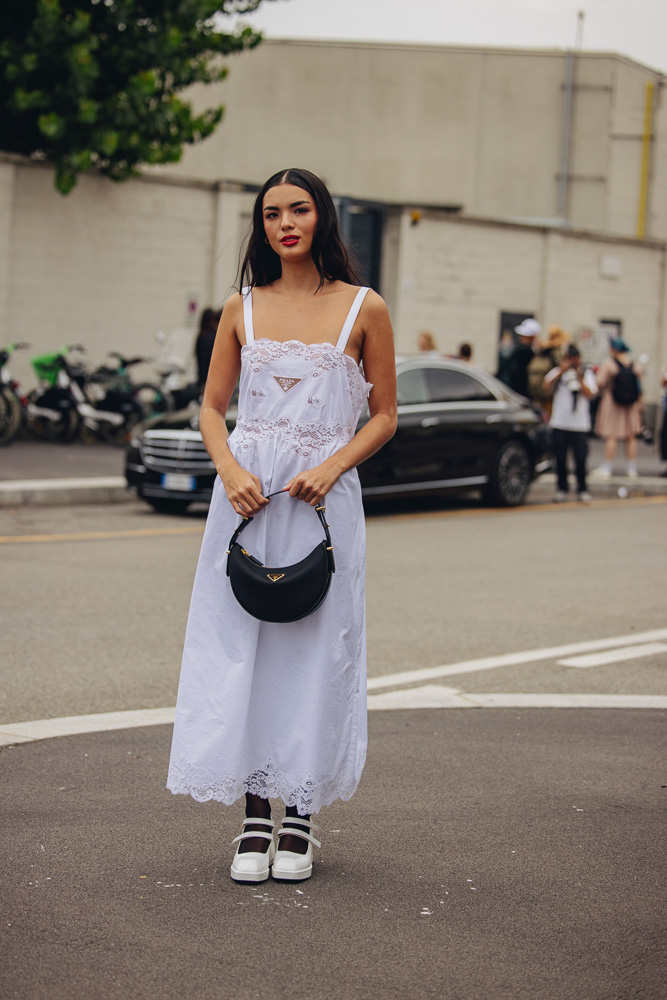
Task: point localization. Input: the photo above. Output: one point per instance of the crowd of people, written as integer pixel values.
(576, 399)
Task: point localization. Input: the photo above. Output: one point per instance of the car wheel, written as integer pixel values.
(166, 506)
(511, 476)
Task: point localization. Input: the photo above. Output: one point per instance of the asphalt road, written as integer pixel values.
(94, 620)
(499, 853)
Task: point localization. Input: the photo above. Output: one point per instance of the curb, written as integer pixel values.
(52, 492)
(643, 486)
(113, 489)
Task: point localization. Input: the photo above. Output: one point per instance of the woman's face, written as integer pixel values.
(290, 221)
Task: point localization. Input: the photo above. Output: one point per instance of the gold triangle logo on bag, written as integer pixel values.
(286, 383)
(274, 577)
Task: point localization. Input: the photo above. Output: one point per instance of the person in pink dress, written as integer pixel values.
(619, 416)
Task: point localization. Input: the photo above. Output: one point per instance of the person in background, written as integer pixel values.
(571, 387)
(465, 353)
(522, 355)
(548, 354)
(663, 431)
(619, 414)
(505, 351)
(427, 345)
(208, 326)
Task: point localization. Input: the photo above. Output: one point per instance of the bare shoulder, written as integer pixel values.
(232, 313)
(374, 308)
(234, 304)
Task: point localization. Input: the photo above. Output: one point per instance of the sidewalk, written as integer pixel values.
(36, 472)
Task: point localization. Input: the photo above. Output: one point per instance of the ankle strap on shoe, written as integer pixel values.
(252, 833)
(304, 822)
(294, 831)
(258, 819)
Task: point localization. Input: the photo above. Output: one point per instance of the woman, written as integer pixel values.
(279, 710)
(618, 420)
(208, 326)
(663, 428)
(549, 354)
(427, 345)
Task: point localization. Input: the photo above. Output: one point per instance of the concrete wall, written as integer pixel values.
(109, 265)
(456, 276)
(479, 128)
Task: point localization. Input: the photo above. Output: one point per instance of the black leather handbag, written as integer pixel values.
(280, 593)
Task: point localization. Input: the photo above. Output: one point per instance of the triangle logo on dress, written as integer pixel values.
(286, 383)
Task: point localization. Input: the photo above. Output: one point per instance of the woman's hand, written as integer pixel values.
(312, 485)
(243, 489)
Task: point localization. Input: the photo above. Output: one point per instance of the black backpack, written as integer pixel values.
(625, 386)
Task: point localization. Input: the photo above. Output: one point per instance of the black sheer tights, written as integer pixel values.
(256, 806)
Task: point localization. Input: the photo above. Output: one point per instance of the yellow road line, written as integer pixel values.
(87, 536)
(531, 508)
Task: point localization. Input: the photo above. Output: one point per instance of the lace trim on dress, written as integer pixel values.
(268, 782)
(324, 356)
(305, 437)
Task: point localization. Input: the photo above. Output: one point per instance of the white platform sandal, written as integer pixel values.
(288, 866)
(253, 866)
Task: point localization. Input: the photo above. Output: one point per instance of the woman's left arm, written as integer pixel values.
(377, 354)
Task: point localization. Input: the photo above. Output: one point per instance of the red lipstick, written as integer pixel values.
(290, 241)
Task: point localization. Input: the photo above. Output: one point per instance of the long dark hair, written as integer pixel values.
(261, 265)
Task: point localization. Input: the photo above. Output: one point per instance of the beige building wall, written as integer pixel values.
(111, 264)
(455, 277)
(436, 125)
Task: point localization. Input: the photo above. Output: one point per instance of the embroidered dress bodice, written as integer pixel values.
(279, 710)
(307, 397)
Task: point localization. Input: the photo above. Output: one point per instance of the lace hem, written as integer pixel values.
(268, 782)
(304, 437)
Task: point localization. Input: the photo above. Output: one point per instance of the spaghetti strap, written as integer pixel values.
(351, 317)
(247, 315)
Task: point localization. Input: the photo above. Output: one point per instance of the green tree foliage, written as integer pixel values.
(93, 84)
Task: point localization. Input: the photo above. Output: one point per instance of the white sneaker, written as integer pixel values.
(584, 497)
(559, 496)
(600, 473)
(288, 866)
(633, 474)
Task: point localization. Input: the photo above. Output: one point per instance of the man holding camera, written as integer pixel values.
(573, 386)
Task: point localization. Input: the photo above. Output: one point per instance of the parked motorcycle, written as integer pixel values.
(62, 405)
(11, 402)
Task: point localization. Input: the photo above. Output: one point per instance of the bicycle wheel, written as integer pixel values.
(152, 399)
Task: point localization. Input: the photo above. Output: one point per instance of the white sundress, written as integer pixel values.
(279, 710)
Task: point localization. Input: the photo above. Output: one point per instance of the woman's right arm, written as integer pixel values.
(243, 489)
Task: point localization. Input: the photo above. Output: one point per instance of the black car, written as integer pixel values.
(458, 429)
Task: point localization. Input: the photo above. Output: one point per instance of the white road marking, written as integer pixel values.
(426, 696)
(615, 655)
(45, 729)
(512, 659)
(434, 696)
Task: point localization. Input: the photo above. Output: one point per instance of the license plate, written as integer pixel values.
(179, 482)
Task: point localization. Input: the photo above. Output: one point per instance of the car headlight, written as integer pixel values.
(136, 441)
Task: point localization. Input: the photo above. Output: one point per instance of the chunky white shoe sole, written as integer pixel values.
(291, 867)
(288, 866)
(253, 866)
